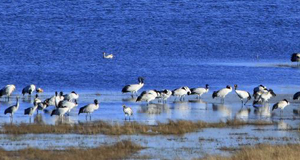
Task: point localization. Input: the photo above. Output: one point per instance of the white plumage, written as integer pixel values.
(90, 108)
(281, 104)
(257, 91)
(181, 92)
(242, 95)
(200, 91)
(60, 111)
(265, 96)
(71, 96)
(127, 111)
(133, 88)
(36, 100)
(222, 92)
(147, 96)
(51, 101)
(7, 90)
(28, 89)
(165, 94)
(67, 104)
(110, 56)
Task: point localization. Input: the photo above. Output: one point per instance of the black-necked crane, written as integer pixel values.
(28, 89)
(165, 94)
(36, 100)
(133, 88)
(200, 91)
(60, 109)
(242, 95)
(127, 111)
(281, 105)
(222, 93)
(29, 111)
(71, 96)
(265, 96)
(12, 109)
(181, 92)
(90, 108)
(51, 101)
(67, 104)
(257, 91)
(147, 96)
(41, 106)
(295, 58)
(7, 90)
(296, 96)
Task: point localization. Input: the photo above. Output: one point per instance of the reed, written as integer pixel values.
(263, 151)
(120, 150)
(128, 128)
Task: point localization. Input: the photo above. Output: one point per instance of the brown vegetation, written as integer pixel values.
(120, 150)
(128, 128)
(265, 152)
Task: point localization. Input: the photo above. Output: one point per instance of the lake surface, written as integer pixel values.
(58, 45)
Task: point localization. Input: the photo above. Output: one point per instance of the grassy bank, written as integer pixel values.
(120, 150)
(263, 152)
(128, 128)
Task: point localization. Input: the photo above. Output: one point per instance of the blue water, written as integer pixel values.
(58, 45)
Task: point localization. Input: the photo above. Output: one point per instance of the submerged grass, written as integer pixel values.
(128, 128)
(265, 152)
(120, 150)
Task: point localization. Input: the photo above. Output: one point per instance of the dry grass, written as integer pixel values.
(128, 128)
(120, 150)
(264, 152)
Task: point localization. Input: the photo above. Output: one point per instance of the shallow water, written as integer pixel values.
(58, 46)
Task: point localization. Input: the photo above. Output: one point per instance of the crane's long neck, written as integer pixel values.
(18, 104)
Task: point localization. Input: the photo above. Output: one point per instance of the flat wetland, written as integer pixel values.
(189, 129)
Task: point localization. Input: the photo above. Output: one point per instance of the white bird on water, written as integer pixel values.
(200, 91)
(181, 92)
(222, 93)
(28, 89)
(12, 109)
(281, 104)
(51, 101)
(133, 88)
(7, 90)
(147, 96)
(127, 111)
(265, 96)
(90, 108)
(257, 91)
(60, 109)
(164, 95)
(242, 95)
(71, 96)
(109, 56)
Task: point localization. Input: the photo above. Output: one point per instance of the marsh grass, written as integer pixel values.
(120, 150)
(265, 152)
(128, 128)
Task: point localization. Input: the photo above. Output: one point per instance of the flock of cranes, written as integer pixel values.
(64, 103)
(261, 94)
